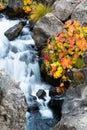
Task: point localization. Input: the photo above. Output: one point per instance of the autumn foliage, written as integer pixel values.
(28, 5)
(64, 51)
(38, 11)
(35, 10)
(2, 6)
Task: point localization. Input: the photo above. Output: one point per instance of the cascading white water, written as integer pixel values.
(19, 59)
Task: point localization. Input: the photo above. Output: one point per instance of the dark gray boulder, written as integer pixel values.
(46, 27)
(41, 93)
(14, 31)
(74, 109)
(62, 9)
(80, 12)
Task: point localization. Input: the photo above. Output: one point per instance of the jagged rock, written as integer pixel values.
(74, 109)
(80, 12)
(12, 104)
(14, 31)
(41, 93)
(46, 27)
(62, 9)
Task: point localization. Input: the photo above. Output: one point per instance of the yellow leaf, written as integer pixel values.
(28, 2)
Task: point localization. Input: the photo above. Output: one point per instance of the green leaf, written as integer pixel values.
(79, 63)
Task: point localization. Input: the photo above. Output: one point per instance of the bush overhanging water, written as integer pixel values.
(64, 51)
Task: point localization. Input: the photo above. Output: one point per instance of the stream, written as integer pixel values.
(19, 59)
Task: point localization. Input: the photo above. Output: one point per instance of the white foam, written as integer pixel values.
(28, 74)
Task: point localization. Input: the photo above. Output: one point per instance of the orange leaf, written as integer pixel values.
(27, 9)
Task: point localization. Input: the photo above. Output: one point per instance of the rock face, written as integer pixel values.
(62, 9)
(12, 104)
(80, 12)
(74, 109)
(14, 31)
(46, 27)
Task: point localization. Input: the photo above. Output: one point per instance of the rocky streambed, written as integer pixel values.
(12, 100)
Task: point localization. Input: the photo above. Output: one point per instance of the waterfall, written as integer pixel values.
(19, 58)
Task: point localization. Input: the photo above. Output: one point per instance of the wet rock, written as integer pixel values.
(80, 12)
(32, 107)
(74, 109)
(12, 104)
(62, 9)
(41, 93)
(14, 49)
(52, 92)
(1, 16)
(15, 8)
(55, 104)
(46, 27)
(14, 31)
(32, 98)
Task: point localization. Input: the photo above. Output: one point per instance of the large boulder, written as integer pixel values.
(62, 9)
(46, 27)
(14, 31)
(15, 8)
(74, 109)
(80, 12)
(12, 104)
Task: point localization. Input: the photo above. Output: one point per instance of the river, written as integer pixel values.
(19, 59)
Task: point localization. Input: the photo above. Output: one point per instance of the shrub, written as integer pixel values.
(28, 5)
(35, 10)
(64, 51)
(39, 11)
(2, 6)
